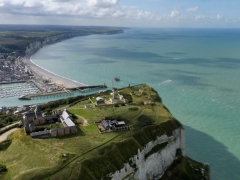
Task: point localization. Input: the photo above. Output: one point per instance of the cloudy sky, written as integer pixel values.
(131, 13)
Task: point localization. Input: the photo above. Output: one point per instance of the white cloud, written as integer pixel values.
(193, 9)
(90, 9)
(175, 13)
(202, 17)
(219, 16)
(103, 3)
(101, 12)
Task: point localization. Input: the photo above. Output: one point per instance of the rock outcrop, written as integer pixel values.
(152, 161)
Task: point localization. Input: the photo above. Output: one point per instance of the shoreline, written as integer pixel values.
(46, 74)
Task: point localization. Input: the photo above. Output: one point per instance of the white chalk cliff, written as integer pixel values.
(33, 47)
(49, 40)
(153, 166)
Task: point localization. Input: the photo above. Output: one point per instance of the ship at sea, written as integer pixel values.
(117, 78)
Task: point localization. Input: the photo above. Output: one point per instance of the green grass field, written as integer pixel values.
(28, 158)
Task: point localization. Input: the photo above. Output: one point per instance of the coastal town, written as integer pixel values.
(18, 79)
(13, 69)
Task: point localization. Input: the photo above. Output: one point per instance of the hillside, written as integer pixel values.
(16, 38)
(98, 154)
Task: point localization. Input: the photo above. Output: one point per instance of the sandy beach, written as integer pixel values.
(45, 74)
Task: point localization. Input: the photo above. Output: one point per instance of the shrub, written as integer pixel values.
(133, 108)
(145, 120)
(3, 168)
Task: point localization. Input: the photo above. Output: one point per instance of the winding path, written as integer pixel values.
(4, 136)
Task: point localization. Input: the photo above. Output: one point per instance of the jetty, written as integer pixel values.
(60, 93)
(87, 87)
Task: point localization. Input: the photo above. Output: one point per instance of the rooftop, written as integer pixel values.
(66, 119)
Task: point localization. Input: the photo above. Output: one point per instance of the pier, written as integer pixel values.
(43, 95)
(81, 88)
(67, 91)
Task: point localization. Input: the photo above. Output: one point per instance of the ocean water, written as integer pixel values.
(195, 71)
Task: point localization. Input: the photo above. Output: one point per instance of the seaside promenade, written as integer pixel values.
(44, 74)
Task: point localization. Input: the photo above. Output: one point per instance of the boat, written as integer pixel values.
(117, 78)
(23, 97)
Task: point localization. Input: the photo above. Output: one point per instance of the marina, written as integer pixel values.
(65, 92)
(18, 89)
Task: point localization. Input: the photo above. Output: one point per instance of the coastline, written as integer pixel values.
(46, 74)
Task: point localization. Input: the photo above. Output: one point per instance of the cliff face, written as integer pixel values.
(49, 40)
(152, 162)
(32, 47)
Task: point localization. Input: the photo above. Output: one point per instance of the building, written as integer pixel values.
(114, 125)
(114, 99)
(31, 118)
(100, 101)
(69, 126)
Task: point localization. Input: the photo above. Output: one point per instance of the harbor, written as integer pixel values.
(42, 83)
(68, 92)
(18, 89)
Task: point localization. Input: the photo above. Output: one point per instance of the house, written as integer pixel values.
(114, 125)
(33, 117)
(22, 109)
(107, 124)
(99, 101)
(69, 126)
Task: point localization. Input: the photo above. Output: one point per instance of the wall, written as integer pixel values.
(154, 166)
(63, 131)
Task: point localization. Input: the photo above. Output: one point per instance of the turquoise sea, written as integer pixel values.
(195, 71)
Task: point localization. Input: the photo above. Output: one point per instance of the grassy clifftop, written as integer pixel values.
(90, 154)
(16, 38)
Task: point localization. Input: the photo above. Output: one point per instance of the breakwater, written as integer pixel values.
(69, 92)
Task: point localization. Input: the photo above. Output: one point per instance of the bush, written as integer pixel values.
(127, 96)
(145, 120)
(3, 168)
(4, 145)
(133, 108)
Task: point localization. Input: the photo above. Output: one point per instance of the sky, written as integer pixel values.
(127, 13)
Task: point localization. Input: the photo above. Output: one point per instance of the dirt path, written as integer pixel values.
(4, 136)
(85, 121)
(6, 127)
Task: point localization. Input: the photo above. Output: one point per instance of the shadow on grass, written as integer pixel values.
(204, 148)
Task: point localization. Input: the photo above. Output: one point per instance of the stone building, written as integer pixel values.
(30, 120)
(69, 126)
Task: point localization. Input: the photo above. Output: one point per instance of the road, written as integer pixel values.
(4, 136)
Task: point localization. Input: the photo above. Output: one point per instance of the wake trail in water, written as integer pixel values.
(165, 82)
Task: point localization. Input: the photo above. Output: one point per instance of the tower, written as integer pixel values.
(114, 93)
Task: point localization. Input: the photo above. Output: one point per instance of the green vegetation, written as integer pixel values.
(6, 119)
(18, 37)
(2, 169)
(89, 154)
(4, 145)
(184, 168)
